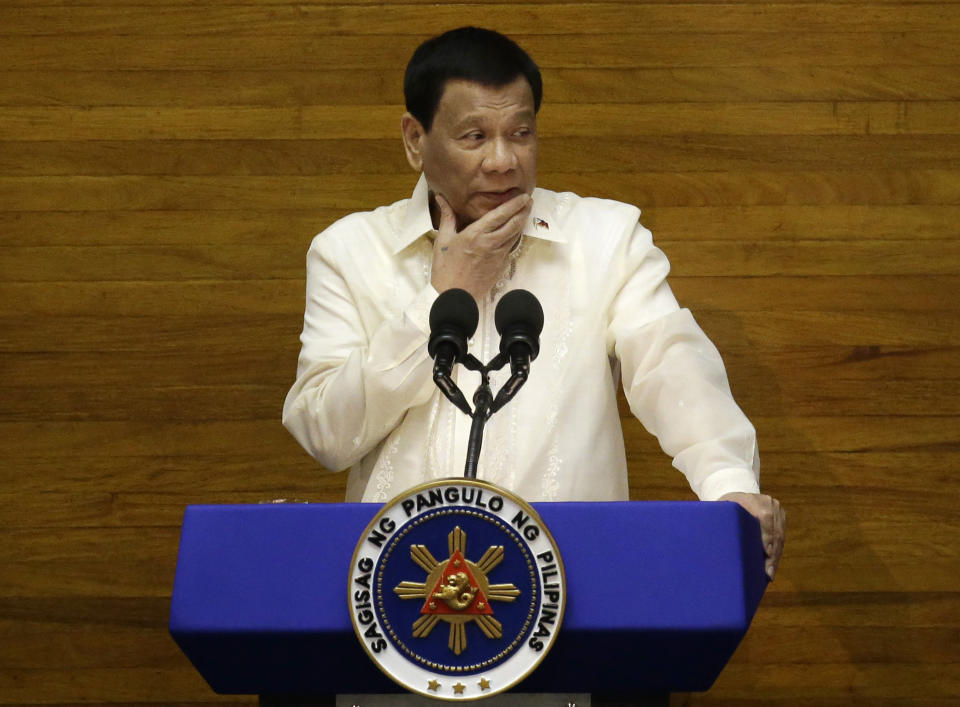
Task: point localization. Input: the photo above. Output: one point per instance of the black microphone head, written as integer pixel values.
(455, 308)
(453, 318)
(519, 318)
(519, 308)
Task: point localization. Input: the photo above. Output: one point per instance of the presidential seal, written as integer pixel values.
(457, 589)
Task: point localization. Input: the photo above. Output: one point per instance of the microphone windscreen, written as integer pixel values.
(519, 309)
(455, 309)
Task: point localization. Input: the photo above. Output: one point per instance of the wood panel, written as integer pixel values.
(619, 51)
(535, 18)
(556, 120)
(293, 228)
(165, 163)
(669, 153)
(699, 258)
(268, 86)
(736, 188)
(904, 300)
(219, 361)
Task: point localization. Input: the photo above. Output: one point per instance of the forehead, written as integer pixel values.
(462, 99)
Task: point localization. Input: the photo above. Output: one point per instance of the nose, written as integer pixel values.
(500, 156)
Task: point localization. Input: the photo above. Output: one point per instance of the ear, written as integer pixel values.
(413, 133)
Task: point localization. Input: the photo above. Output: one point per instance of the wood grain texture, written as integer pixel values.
(319, 51)
(293, 228)
(754, 187)
(164, 165)
(618, 153)
(556, 120)
(269, 86)
(516, 19)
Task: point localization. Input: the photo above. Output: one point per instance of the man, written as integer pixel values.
(364, 395)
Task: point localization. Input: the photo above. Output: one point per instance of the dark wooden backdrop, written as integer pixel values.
(164, 164)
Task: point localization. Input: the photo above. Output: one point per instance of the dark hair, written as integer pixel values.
(469, 53)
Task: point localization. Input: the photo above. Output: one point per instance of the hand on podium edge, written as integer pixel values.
(773, 523)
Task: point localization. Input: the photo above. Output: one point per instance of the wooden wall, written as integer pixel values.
(164, 164)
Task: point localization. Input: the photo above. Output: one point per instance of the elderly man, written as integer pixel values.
(364, 395)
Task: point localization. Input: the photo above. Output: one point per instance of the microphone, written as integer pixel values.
(519, 321)
(453, 320)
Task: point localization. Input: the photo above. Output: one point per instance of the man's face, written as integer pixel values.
(482, 148)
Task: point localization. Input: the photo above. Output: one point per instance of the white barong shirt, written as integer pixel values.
(364, 395)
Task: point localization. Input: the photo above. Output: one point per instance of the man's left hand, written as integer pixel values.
(773, 523)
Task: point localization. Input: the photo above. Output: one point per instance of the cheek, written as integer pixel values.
(530, 159)
(441, 162)
(455, 174)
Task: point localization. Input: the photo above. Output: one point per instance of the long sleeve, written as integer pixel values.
(360, 368)
(674, 378)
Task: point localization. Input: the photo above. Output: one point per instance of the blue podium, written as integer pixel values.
(659, 595)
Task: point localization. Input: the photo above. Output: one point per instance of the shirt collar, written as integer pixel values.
(416, 222)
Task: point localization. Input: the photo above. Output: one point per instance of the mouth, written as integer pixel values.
(500, 197)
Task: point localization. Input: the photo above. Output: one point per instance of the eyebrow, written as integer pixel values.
(525, 115)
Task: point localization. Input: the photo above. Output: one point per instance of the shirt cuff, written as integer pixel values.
(725, 481)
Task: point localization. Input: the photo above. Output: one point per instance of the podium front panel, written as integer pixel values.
(658, 596)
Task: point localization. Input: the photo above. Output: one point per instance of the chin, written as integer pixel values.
(471, 214)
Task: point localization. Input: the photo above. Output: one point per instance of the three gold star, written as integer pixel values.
(458, 689)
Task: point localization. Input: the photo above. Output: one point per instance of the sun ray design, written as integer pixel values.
(421, 555)
(457, 591)
(458, 638)
(424, 625)
(411, 590)
(491, 558)
(457, 541)
(490, 626)
(502, 592)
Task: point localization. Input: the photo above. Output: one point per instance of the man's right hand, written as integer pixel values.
(474, 259)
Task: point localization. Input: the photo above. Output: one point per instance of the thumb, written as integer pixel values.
(448, 220)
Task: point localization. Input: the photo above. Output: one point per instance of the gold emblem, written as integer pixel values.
(457, 591)
(395, 619)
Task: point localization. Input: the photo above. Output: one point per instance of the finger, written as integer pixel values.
(777, 527)
(781, 530)
(766, 514)
(513, 206)
(779, 535)
(448, 219)
(505, 235)
(769, 545)
(772, 561)
(497, 218)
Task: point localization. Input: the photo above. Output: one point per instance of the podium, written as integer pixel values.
(659, 595)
